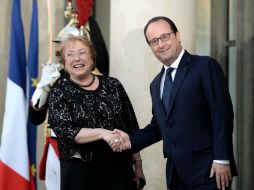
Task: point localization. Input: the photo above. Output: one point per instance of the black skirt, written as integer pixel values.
(107, 172)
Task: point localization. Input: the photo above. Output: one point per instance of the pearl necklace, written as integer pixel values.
(84, 85)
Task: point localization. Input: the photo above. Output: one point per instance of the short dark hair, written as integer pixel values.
(154, 19)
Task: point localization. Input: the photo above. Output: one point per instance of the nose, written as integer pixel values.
(161, 43)
(77, 56)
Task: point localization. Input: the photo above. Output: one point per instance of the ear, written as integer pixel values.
(178, 37)
(92, 66)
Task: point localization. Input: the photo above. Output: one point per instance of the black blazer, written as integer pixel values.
(198, 128)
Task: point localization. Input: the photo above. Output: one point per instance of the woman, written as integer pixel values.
(83, 111)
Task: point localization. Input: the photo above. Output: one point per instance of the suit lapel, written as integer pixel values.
(158, 105)
(179, 77)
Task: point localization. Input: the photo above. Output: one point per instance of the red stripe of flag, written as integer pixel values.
(7, 174)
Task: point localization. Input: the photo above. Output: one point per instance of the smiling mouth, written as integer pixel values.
(78, 66)
(164, 52)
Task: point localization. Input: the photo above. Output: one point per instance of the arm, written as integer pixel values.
(217, 95)
(60, 118)
(86, 135)
(127, 120)
(218, 98)
(39, 103)
(50, 74)
(37, 115)
(139, 174)
(145, 137)
(132, 126)
(138, 140)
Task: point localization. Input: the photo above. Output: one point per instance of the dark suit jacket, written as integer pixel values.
(198, 128)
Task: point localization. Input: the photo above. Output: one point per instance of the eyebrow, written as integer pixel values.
(77, 50)
(163, 34)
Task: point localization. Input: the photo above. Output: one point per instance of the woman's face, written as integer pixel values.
(78, 60)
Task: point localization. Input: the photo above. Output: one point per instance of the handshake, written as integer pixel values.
(117, 140)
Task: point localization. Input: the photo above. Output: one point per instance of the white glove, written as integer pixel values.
(50, 73)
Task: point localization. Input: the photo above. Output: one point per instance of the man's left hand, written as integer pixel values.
(223, 175)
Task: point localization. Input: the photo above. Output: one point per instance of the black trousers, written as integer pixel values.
(177, 184)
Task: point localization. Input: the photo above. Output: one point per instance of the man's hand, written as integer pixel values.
(223, 175)
(122, 143)
(113, 139)
(50, 73)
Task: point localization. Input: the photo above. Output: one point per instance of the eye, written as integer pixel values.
(70, 54)
(165, 37)
(82, 53)
(154, 42)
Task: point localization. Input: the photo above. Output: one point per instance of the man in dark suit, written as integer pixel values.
(192, 114)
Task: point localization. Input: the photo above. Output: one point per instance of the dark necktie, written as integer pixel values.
(167, 88)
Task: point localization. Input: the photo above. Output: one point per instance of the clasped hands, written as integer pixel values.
(117, 140)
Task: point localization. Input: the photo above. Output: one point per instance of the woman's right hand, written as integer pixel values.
(114, 140)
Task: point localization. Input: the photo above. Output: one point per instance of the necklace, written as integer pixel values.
(84, 85)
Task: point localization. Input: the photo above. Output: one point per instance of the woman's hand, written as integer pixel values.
(122, 143)
(138, 169)
(139, 177)
(113, 139)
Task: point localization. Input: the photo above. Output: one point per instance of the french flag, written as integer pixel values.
(14, 163)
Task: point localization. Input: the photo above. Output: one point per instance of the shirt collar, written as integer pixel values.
(175, 64)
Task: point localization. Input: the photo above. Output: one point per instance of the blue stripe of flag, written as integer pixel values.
(33, 74)
(17, 65)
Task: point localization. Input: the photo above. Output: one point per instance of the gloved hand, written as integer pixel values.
(50, 73)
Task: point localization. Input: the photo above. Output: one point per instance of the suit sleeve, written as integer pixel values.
(217, 95)
(37, 116)
(145, 137)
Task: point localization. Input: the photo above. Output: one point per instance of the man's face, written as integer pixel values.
(168, 47)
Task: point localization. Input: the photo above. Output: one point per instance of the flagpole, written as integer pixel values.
(50, 32)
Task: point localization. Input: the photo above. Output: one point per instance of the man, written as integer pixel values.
(192, 114)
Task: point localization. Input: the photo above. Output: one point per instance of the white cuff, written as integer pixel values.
(221, 161)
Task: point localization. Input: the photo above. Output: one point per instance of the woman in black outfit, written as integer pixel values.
(83, 111)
